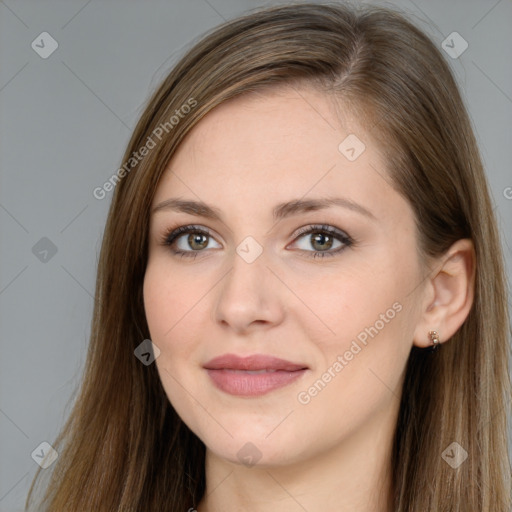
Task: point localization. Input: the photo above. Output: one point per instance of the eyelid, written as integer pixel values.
(176, 232)
(323, 228)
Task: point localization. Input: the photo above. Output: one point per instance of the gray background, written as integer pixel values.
(64, 126)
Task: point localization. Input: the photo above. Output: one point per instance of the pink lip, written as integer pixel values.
(229, 373)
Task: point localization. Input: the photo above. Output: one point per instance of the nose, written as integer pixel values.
(249, 297)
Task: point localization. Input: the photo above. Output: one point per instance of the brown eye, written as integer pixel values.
(197, 241)
(322, 239)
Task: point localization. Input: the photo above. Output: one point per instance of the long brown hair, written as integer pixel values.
(123, 447)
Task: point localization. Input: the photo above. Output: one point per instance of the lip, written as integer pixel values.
(231, 373)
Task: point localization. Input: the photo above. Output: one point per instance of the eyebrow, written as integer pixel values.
(282, 210)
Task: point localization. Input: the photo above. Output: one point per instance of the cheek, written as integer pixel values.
(370, 301)
(168, 299)
(370, 314)
(178, 313)
(359, 376)
(352, 305)
(172, 309)
(157, 302)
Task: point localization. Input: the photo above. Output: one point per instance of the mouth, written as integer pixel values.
(254, 375)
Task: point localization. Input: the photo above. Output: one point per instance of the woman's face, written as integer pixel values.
(339, 306)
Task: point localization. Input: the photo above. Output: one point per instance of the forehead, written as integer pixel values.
(282, 124)
(279, 144)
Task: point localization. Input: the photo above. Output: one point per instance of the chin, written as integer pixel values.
(255, 454)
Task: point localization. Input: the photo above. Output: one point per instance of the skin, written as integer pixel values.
(244, 157)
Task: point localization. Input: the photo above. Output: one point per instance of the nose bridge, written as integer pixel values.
(247, 275)
(246, 294)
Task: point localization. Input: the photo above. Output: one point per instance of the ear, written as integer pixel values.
(449, 294)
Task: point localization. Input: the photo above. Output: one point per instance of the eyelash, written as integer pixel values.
(171, 235)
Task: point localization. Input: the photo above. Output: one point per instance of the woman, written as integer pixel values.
(302, 228)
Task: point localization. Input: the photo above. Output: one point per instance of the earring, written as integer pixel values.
(434, 338)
